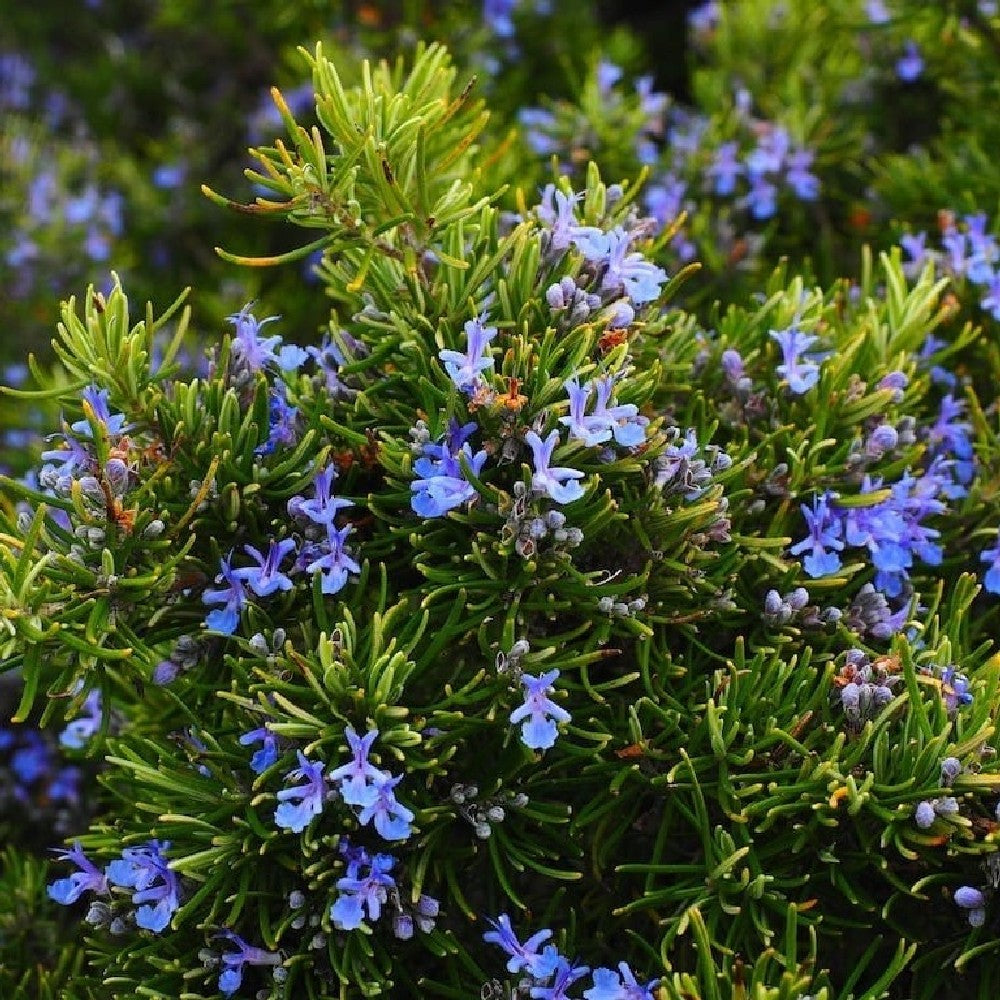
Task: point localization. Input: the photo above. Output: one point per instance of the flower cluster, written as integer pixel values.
(442, 485)
(551, 974)
(144, 869)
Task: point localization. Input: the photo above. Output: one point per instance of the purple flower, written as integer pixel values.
(332, 560)
(557, 210)
(97, 399)
(299, 804)
(464, 369)
(145, 870)
(265, 578)
(876, 11)
(638, 277)
(991, 581)
(233, 596)
(913, 245)
(442, 485)
(565, 974)
(725, 169)
(628, 428)
(910, 64)
(590, 430)
(801, 373)
(798, 176)
(233, 962)
(378, 801)
(955, 689)
(76, 735)
(523, 957)
(608, 985)
(557, 482)
(539, 712)
(323, 507)
(252, 353)
(282, 422)
(354, 776)
(89, 877)
(267, 754)
(360, 893)
(824, 533)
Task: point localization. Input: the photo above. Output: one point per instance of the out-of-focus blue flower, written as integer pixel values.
(799, 178)
(299, 804)
(497, 17)
(725, 169)
(877, 12)
(608, 74)
(88, 878)
(157, 890)
(538, 125)
(991, 580)
(79, 731)
(539, 714)
(825, 530)
(168, 176)
(558, 482)
(910, 64)
(464, 369)
(267, 754)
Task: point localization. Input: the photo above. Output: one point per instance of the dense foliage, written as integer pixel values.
(552, 552)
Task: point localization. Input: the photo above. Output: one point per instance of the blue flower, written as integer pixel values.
(356, 774)
(392, 819)
(265, 578)
(798, 176)
(145, 869)
(76, 735)
(632, 273)
(252, 353)
(233, 962)
(725, 169)
(464, 369)
(910, 64)
(267, 754)
(89, 877)
(299, 804)
(590, 430)
(358, 894)
(991, 581)
(442, 485)
(824, 533)
(233, 596)
(331, 559)
(556, 482)
(523, 957)
(557, 210)
(282, 422)
(801, 373)
(539, 712)
(608, 985)
(323, 507)
(97, 400)
(627, 426)
(565, 974)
